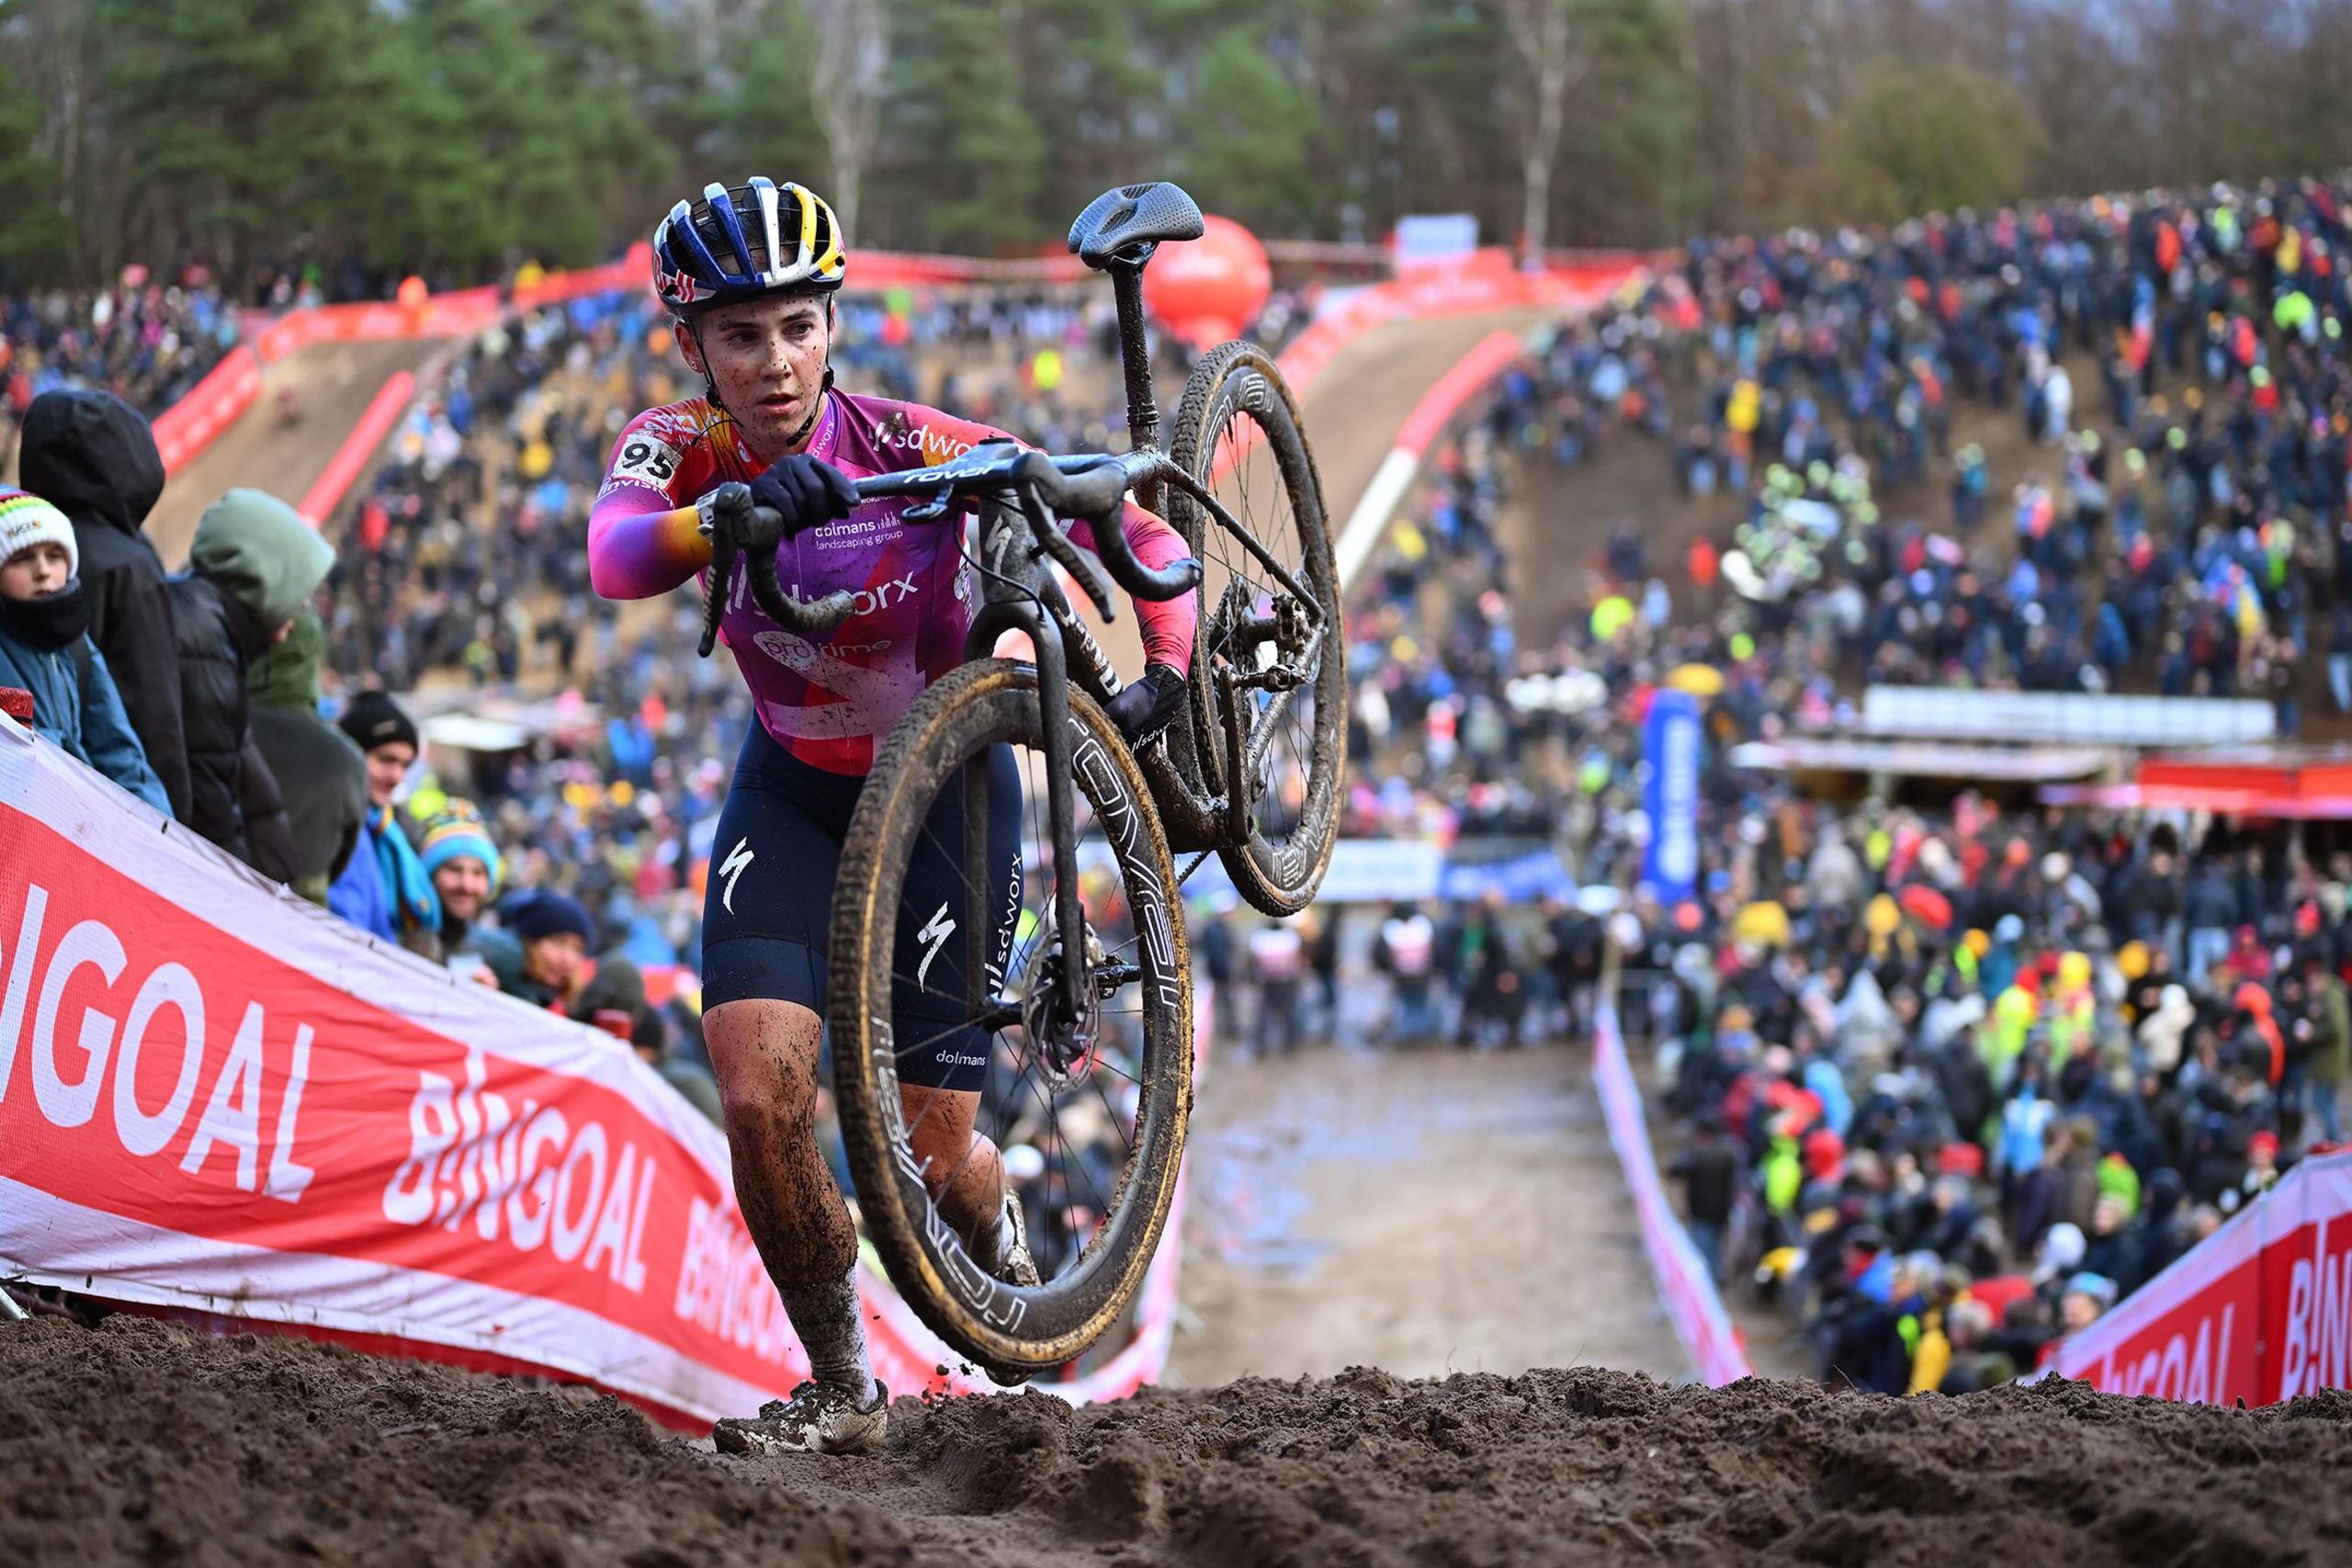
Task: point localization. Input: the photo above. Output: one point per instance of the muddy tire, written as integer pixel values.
(1235, 399)
(1013, 1331)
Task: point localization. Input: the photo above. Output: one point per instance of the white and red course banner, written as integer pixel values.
(2260, 1311)
(1684, 1286)
(217, 1097)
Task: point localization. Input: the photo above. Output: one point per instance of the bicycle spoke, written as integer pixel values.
(1022, 1098)
(1113, 1113)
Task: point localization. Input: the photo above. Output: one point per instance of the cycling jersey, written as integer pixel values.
(830, 703)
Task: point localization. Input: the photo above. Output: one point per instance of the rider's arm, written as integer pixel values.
(640, 541)
(1168, 623)
(638, 545)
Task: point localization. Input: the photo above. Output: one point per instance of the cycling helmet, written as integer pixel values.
(754, 241)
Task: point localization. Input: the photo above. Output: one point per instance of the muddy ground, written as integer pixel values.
(148, 1442)
(1424, 1211)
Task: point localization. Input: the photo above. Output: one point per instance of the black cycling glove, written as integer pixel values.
(1144, 709)
(806, 492)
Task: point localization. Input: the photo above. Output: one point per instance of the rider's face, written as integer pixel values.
(767, 359)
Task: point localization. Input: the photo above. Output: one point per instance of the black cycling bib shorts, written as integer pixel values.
(767, 912)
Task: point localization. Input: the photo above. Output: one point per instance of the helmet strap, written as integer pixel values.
(818, 407)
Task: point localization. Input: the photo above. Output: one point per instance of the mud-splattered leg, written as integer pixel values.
(764, 1056)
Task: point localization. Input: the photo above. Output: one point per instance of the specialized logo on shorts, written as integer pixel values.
(731, 869)
(935, 932)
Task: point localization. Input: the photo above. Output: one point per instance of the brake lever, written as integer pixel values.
(714, 595)
(1055, 544)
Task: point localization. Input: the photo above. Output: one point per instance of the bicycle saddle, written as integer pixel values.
(1133, 215)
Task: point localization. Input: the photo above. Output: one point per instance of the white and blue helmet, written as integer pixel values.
(754, 241)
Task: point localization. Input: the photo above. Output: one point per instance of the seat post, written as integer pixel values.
(1134, 352)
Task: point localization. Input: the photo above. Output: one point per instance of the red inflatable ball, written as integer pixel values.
(1206, 290)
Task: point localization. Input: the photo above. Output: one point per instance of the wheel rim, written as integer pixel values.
(1238, 592)
(1069, 1103)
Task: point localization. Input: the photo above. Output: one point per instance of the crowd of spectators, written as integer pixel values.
(1951, 1082)
(145, 340)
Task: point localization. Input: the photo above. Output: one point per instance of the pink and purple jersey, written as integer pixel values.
(830, 703)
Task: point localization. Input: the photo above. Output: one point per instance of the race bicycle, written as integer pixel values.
(1087, 1010)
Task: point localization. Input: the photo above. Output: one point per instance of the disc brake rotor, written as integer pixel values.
(1065, 1047)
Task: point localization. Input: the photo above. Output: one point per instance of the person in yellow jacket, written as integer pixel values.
(2015, 1012)
(1931, 1355)
(2074, 1011)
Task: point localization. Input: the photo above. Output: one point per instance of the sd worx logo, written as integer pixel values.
(867, 602)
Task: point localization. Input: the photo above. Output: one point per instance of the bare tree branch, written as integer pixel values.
(1555, 54)
(853, 57)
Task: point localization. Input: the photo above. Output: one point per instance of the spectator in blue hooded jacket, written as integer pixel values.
(45, 647)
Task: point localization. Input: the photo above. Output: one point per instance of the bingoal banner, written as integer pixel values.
(218, 1098)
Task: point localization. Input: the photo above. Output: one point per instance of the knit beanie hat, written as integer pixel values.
(548, 913)
(27, 520)
(373, 719)
(454, 834)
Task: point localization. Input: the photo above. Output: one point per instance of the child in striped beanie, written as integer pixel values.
(45, 647)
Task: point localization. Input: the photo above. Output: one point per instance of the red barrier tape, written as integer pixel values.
(383, 412)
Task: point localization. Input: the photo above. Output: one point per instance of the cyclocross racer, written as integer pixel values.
(748, 275)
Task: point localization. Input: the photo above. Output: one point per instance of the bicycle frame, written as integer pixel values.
(1016, 587)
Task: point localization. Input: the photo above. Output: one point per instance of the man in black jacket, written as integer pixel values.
(253, 564)
(91, 455)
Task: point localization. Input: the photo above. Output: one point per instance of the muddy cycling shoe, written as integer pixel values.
(820, 1418)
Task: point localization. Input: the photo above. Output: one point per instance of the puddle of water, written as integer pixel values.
(1253, 1180)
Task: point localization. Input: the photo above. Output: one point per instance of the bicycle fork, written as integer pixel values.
(1072, 982)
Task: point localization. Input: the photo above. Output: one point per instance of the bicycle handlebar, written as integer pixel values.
(1089, 487)
(809, 618)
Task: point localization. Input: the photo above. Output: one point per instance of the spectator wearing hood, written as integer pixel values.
(328, 808)
(92, 456)
(254, 563)
(2213, 914)
(2331, 1048)
(386, 890)
(45, 647)
(455, 847)
(2164, 1032)
(2116, 1249)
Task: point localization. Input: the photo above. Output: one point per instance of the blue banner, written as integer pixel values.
(1670, 745)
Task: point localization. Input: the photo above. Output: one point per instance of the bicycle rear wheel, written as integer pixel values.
(1237, 432)
(1091, 1111)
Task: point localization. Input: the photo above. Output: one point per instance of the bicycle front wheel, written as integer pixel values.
(1080, 1117)
(1237, 432)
